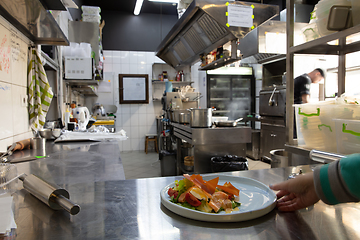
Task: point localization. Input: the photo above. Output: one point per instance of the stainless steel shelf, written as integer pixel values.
(321, 46)
(219, 99)
(220, 89)
(86, 90)
(173, 82)
(241, 89)
(81, 82)
(220, 63)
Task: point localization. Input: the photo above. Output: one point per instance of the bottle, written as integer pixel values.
(67, 116)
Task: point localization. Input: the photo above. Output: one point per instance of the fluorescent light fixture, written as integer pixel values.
(165, 1)
(138, 6)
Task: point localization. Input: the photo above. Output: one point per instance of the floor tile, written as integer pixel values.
(138, 164)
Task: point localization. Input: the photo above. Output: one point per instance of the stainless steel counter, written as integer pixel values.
(130, 209)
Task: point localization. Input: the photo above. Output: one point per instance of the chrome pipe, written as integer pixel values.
(324, 157)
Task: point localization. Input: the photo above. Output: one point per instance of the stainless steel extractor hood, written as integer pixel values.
(267, 42)
(204, 27)
(32, 19)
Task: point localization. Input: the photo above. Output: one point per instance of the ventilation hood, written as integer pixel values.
(32, 19)
(267, 42)
(204, 27)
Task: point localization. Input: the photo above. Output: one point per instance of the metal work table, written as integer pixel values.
(210, 142)
(130, 209)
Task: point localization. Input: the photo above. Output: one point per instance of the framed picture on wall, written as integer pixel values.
(133, 88)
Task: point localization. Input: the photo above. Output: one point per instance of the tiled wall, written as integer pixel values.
(136, 119)
(14, 120)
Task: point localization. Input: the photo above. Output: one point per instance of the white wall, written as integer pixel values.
(14, 120)
(136, 119)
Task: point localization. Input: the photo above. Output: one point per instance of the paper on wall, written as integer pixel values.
(240, 15)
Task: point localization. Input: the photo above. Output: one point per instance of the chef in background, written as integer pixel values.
(302, 87)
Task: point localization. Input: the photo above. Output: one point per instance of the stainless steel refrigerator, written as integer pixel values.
(231, 92)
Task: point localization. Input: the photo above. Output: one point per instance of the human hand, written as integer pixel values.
(297, 193)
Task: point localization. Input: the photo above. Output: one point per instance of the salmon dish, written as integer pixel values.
(206, 196)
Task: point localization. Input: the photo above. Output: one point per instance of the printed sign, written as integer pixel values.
(240, 15)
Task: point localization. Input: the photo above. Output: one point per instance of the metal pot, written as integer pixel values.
(184, 117)
(200, 117)
(176, 114)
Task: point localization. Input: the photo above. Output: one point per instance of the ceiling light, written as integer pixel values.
(165, 1)
(138, 6)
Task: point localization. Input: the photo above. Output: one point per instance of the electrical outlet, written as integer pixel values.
(24, 100)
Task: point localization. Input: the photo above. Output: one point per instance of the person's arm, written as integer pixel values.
(305, 98)
(339, 182)
(297, 193)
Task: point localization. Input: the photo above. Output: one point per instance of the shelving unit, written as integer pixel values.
(158, 87)
(338, 43)
(224, 61)
(86, 91)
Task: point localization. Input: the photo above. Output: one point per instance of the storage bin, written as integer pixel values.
(90, 10)
(323, 7)
(91, 18)
(315, 126)
(347, 136)
(322, 14)
(321, 24)
(310, 32)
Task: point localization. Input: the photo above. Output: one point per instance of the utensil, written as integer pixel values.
(176, 114)
(37, 143)
(46, 133)
(55, 197)
(184, 117)
(82, 114)
(9, 150)
(24, 159)
(200, 117)
(227, 123)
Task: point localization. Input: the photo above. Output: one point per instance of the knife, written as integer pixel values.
(24, 159)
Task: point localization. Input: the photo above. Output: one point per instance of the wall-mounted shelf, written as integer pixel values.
(173, 82)
(321, 46)
(80, 82)
(86, 91)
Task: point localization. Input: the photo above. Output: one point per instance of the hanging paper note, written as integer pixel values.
(240, 15)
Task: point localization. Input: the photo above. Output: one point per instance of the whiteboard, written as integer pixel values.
(134, 88)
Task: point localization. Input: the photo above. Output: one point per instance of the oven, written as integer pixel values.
(272, 109)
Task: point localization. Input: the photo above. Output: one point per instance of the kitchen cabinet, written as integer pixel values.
(338, 43)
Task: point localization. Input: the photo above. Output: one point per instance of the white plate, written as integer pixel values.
(256, 199)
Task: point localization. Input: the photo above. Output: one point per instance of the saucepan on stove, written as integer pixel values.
(227, 123)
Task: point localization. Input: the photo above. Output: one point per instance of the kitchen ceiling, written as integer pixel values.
(129, 5)
(166, 8)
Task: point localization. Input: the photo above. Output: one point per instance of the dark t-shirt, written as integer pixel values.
(301, 86)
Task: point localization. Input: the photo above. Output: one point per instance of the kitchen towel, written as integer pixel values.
(39, 90)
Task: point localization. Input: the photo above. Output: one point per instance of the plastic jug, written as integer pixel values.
(82, 114)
